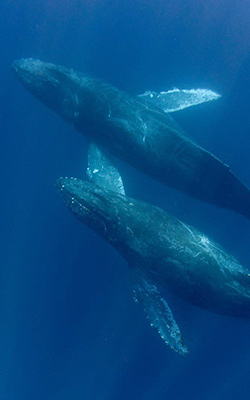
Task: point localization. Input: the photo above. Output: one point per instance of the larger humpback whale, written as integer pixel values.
(138, 130)
(160, 250)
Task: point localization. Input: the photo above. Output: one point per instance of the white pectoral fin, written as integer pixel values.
(158, 311)
(102, 171)
(176, 99)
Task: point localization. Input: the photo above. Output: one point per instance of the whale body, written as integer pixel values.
(160, 250)
(138, 130)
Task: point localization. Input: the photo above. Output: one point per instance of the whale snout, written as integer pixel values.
(72, 188)
(22, 69)
(15, 66)
(33, 73)
(30, 72)
(71, 185)
(43, 80)
(27, 65)
(22, 64)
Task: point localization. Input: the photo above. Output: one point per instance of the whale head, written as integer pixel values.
(93, 205)
(122, 221)
(64, 91)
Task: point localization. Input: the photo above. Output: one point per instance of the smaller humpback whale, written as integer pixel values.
(160, 250)
(138, 130)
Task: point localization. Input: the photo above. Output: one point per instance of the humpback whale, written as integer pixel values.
(159, 249)
(138, 129)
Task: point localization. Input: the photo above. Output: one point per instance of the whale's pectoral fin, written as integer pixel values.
(176, 99)
(102, 171)
(158, 311)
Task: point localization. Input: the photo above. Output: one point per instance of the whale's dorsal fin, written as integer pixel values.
(158, 311)
(102, 171)
(176, 99)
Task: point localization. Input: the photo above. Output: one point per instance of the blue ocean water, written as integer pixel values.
(69, 328)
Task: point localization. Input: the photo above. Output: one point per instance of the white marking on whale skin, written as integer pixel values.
(214, 251)
(178, 150)
(196, 255)
(188, 229)
(130, 231)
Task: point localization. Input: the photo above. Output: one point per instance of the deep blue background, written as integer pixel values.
(69, 328)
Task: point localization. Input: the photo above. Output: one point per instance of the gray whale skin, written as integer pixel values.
(160, 250)
(136, 130)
